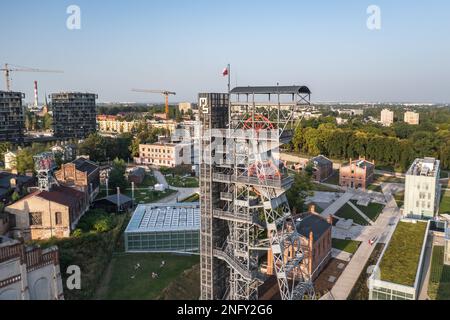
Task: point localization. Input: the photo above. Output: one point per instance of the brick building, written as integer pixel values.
(322, 168)
(46, 214)
(81, 174)
(358, 174)
(315, 234)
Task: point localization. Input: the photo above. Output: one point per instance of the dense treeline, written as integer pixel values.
(396, 146)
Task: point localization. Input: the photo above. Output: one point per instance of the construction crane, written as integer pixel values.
(8, 69)
(165, 93)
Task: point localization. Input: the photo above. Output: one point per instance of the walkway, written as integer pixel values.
(382, 228)
(338, 204)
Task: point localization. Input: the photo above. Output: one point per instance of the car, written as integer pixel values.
(373, 240)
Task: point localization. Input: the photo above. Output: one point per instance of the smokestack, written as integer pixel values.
(35, 94)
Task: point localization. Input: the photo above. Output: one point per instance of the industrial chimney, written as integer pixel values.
(36, 94)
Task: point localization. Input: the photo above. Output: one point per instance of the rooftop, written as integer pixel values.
(85, 165)
(165, 217)
(427, 167)
(321, 160)
(311, 222)
(400, 261)
(272, 90)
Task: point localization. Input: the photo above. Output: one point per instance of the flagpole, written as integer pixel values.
(229, 78)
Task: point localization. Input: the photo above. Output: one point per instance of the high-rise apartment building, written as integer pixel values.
(422, 189)
(387, 117)
(74, 114)
(11, 116)
(412, 118)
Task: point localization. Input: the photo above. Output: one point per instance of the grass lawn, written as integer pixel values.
(445, 203)
(349, 246)
(180, 182)
(401, 259)
(375, 188)
(439, 285)
(334, 179)
(193, 198)
(360, 291)
(347, 212)
(388, 179)
(320, 187)
(142, 287)
(400, 198)
(372, 211)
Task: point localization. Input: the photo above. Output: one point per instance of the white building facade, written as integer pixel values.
(387, 117)
(422, 189)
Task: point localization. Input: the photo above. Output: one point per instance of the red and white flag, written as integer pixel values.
(225, 72)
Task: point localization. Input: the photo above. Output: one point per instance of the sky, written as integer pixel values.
(183, 46)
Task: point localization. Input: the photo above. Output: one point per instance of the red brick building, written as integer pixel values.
(315, 240)
(322, 168)
(359, 174)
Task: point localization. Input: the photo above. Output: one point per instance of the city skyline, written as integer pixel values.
(180, 46)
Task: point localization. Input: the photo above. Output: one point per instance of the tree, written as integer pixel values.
(298, 192)
(25, 160)
(15, 196)
(117, 176)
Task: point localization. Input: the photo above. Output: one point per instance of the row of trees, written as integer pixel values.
(397, 146)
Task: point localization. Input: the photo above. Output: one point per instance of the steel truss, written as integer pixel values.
(253, 200)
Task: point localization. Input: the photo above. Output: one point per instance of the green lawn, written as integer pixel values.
(347, 212)
(372, 211)
(445, 203)
(320, 187)
(375, 188)
(388, 179)
(180, 182)
(400, 261)
(193, 198)
(400, 198)
(126, 283)
(334, 179)
(439, 285)
(349, 246)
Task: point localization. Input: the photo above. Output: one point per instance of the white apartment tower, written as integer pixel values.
(387, 117)
(422, 189)
(412, 118)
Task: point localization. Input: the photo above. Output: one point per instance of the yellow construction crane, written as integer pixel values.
(8, 69)
(165, 93)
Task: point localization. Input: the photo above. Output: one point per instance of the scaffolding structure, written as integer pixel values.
(74, 114)
(45, 165)
(245, 212)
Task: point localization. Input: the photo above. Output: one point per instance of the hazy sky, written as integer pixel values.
(183, 45)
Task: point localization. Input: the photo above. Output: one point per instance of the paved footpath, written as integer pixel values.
(339, 203)
(348, 278)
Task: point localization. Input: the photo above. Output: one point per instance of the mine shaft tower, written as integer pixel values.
(245, 214)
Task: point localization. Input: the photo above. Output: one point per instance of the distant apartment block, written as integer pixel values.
(165, 154)
(412, 118)
(74, 114)
(387, 117)
(422, 189)
(322, 168)
(28, 273)
(168, 125)
(11, 116)
(111, 124)
(351, 112)
(184, 107)
(359, 174)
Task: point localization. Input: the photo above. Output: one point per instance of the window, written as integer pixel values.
(35, 218)
(58, 218)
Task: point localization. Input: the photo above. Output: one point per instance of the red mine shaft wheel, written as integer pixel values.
(260, 122)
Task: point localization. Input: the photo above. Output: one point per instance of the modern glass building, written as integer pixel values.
(398, 274)
(164, 228)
